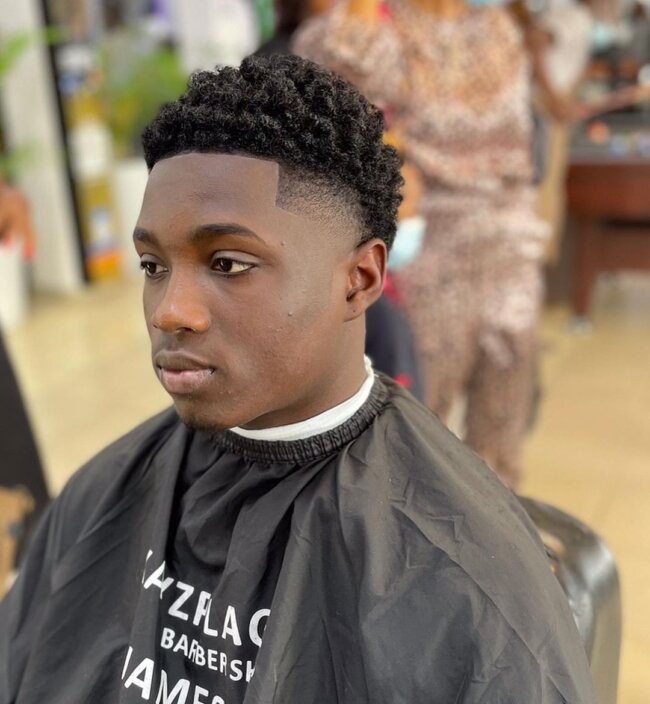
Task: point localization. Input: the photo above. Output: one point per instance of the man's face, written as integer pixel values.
(247, 305)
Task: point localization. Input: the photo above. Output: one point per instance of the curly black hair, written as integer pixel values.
(316, 125)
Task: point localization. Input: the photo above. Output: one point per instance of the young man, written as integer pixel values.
(296, 530)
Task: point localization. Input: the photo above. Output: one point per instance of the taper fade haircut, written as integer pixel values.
(325, 135)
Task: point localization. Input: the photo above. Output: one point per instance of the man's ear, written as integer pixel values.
(366, 273)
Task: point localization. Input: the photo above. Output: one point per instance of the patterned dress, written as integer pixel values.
(458, 91)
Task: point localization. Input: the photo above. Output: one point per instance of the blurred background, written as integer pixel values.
(79, 79)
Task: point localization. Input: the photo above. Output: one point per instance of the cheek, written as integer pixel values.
(314, 291)
(281, 325)
(306, 319)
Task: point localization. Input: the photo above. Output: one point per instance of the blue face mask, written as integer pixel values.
(602, 36)
(408, 242)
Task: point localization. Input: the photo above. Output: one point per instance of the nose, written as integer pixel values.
(181, 308)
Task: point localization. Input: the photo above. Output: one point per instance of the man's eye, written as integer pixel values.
(151, 269)
(230, 266)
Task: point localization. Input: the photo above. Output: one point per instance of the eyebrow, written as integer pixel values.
(202, 232)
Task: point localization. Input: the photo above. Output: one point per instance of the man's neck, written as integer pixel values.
(320, 423)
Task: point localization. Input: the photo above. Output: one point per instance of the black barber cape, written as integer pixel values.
(378, 563)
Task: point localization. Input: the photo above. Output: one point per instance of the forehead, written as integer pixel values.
(190, 190)
(237, 182)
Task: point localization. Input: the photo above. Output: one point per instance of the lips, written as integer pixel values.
(182, 374)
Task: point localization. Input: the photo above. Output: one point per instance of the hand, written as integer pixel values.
(15, 219)
(562, 108)
(538, 38)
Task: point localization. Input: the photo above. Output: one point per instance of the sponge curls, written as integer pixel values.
(317, 126)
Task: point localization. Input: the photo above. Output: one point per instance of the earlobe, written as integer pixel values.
(366, 277)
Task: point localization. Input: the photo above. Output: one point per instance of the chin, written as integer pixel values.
(201, 424)
(198, 417)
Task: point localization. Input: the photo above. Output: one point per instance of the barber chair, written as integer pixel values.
(586, 569)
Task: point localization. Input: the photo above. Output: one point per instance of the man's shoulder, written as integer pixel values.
(439, 528)
(419, 449)
(426, 473)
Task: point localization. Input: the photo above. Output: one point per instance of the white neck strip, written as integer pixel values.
(318, 424)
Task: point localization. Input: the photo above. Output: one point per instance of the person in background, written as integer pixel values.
(23, 489)
(389, 340)
(457, 80)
